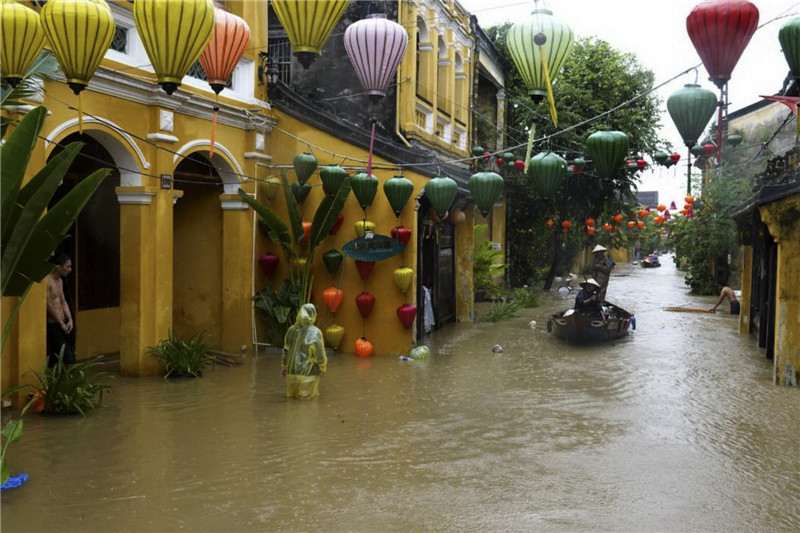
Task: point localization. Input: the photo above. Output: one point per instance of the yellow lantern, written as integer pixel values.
(272, 187)
(308, 24)
(21, 40)
(402, 278)
(363, 226)
(334, 335)
(174, 34)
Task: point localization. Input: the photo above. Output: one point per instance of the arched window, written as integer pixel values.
(443, 77)
(424, 61)
(460, 90)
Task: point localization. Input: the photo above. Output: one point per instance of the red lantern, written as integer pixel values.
(333, 298)
(499, 162)
(590, 222)
(402, 234)
(336, 225)
(363, 347)
(549, 223)
(365, 268)
(519, 165)
(306, 232)
(709, 148)
(486, 157)
(590, 230)
(607, 227)
(661, 208)
(689, 199)
(675, 157)
(365, 302)
(407, 313)
(269, 262)
(641, 163)
(631, 224)
(617, 218)
(643, 213)
(720, 31)
(640, 224)
(566, 225)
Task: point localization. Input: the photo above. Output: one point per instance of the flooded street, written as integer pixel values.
(676, 427)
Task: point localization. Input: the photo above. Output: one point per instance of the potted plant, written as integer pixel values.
(69, 389)
(183, 359)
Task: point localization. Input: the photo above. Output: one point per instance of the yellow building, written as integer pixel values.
(167, 243)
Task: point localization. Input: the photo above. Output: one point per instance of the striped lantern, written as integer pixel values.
(228, 42)
(547, 171)
(21, 40)
(789, 37)
(79, 32)
(375, 46)
(440, 193)
(691, 107)
(403, 277)
(174, 34)
(308, 24)
(607, 149)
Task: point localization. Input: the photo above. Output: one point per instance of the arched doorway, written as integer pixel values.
(93, 244)
(197, 250)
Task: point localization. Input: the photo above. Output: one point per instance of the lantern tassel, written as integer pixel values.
(371, 142)
(531, 135)
(80, 114)
(550, 98)
(213, 131)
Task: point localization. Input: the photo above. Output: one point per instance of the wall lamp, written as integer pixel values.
(267, 69)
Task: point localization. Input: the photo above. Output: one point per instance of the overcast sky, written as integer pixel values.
(656, 33)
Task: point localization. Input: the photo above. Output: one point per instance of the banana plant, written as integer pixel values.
(281, 306)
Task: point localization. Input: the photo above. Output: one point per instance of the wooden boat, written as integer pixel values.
(573, 326)
(651, 261)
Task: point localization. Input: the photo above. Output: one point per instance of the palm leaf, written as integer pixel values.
(295, 218)
(278, 232)
(326, 213)
(14, 158)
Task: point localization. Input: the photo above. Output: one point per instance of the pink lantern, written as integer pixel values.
(269, 262)
(375, 46)
(365, 302)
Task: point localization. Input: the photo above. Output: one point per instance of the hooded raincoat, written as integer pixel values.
(304, 359)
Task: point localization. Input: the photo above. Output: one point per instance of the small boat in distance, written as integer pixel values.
(651, 261)
(573, 326)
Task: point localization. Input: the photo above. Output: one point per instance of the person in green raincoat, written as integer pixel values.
(304, 360)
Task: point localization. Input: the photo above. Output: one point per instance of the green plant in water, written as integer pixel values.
(485, 266)
(70, 389)
(280, 307)
(502, 310)
(182, 358)
(525, 297)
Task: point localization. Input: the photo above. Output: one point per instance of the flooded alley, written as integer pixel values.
(676, 427)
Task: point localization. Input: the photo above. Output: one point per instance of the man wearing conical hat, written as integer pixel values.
(602, 270)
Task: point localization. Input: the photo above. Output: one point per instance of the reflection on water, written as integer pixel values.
(674, 428)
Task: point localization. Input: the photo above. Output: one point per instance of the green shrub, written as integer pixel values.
(502, 310)
(70, 389)
(183, 358)
(525, 297)
(485, 270)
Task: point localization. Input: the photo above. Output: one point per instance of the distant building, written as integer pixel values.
(647, 198)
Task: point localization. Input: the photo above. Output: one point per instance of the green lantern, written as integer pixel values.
(485, 187)
(332, 178)
(508, 157)
(364, 187)
(541, 34)
(300, 191)
(547, 171)
(691, 108)
(333, 260)
(697, 150)
(607, 149)
(632, 167)
(441, 192)
(304, 166)
(660, 157)
(789, 37)
(477, 151)
(734, 140)
(579, 163)
(398, 190)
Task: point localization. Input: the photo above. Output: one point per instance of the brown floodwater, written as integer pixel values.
(676, 427)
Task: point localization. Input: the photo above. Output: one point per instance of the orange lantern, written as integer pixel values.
(306, 232)
(643, 213)
(658, 220)
(688, 207)
(363, 347)
(661, 208)
(549, 223)
(566, 225)
(631, 224)
(590, 222)
(683, 212)
(689, 199)
(607, 227)
(640, 224)
(617, 218)
(333, 298)
(228, 43)
(590, 230)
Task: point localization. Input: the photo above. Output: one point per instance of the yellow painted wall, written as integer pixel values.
(746, 294)
(783, 219)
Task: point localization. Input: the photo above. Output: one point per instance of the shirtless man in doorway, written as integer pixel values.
(59, 317)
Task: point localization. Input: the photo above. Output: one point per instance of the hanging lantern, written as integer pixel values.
(364, 226)
(334, 335)
(641, 164)
(789, 37)
(631, 224)
(720, 31)
(672, 206)
(403, 277)
(308, 24)
(407, 313)
(547, 171)
(365, 302)
(640, 224)
(333, 298)
(365, 268)
(734, 140)
(590, 230)
(300, 191)
(477, 151)
(272, 185)
(332, 178)
(299, 266)
(306, 232)
(519, 165)
(549, 223)
(643, 213)
(456, 217)
(617, 218)
(661, 208)
(337, 224)
(499, 162)
(607, 150)
(689, 199)
(590, 222)
(660, 157)
(486, 188)
(402, 234)
(363, 347)
(304, 166)
(364, 188)
(566, 224)
(539, 46)
(691, 108)
(21, 40)
(269, 263)
(398, 191)
(709, 148)
(607, 227)
(441, 192)
(578, 164)
(333, 260)
(631, 165)
(375, 46)
(174, 33)
(675, 158)
(696, 150)
(228, 42)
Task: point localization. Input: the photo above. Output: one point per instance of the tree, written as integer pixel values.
(595, 79)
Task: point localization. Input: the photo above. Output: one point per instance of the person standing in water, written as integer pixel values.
(726, 292)
(59, 317)
(304, 361)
